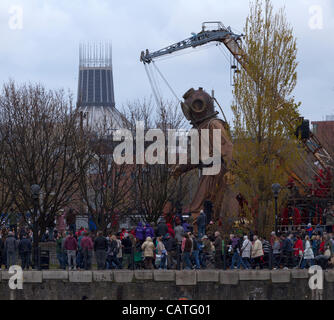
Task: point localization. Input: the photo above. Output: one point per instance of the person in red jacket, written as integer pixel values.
(322, 246)
(285, 217)
(71, 246)
(171, 230)
(87, 247)
(80, 232)
(133, 232)
(123, 232)
(297, 219)
(298, 247)
(291, 216)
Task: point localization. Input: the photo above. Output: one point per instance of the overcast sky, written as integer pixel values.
(46, 49)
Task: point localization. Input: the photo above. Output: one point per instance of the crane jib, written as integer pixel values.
(192, 42)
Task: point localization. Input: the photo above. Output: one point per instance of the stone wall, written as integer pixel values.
(167, 285)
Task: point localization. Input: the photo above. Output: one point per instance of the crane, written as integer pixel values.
(233, 42)
(205, 36)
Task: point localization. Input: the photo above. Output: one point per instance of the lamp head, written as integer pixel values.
(35, 190)
(276, 188)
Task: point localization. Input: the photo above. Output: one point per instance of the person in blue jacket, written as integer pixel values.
(149, 231)
(140, 232)
(91, 224)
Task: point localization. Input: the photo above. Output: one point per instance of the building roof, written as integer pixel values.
(105, 119)
(96, 99)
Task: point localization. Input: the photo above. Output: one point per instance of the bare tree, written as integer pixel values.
(45, 146)
(6, 198)
(106, 186)
(154, 186)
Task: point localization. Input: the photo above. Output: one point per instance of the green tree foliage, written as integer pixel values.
(265, 112)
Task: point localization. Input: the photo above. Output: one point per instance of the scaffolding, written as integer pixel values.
(95, 55)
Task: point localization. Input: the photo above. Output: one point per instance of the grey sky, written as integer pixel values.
(46, 49)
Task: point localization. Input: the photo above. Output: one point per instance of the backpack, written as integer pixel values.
(248, 243)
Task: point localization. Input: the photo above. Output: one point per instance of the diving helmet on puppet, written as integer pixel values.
(198, 106)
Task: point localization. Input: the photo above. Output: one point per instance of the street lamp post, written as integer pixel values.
(276, 188)
(35, 191)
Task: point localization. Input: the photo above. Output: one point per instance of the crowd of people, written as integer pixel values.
(179, 247)
(11, 246)
(176, 244)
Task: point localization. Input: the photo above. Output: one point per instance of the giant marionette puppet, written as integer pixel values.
(198, 108)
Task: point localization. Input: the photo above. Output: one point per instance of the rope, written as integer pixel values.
(167, 83)
(224, 54)
(156, 84)
(221, 109)
(152, 85)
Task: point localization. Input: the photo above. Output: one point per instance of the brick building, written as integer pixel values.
(324, 130)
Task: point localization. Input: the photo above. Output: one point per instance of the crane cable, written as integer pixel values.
(166, 82)
(156, 82)
(223, 52)
(154, 89)
(175, 95)
(153, 81)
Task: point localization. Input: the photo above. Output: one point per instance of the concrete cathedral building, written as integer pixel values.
(96, 98)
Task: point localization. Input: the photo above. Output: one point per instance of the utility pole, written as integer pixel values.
(35, 191)
(276, 188)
